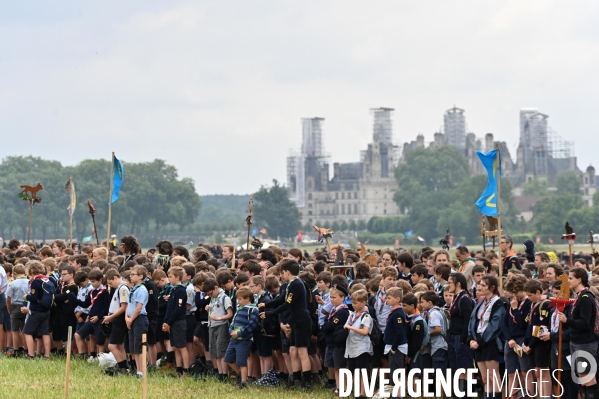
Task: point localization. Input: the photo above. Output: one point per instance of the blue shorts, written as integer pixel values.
(238, 352)
(89, 328)
(264, 346)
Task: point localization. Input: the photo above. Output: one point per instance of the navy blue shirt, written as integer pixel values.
(177, 305)
(395, 331)
(517, 319)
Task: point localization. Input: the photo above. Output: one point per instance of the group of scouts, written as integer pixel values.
(273, 316)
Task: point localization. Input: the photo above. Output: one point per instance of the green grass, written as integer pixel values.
(40, 378)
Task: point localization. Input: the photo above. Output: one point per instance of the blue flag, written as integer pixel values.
(408, 234)
(117, 180)
(487, 202)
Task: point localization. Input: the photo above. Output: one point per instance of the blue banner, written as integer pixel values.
(487, 203)
(117, 180)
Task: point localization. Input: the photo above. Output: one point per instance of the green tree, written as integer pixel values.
(352, 225)
(551, 214)
(343, 226)
(535, 187)
(361, 225)
(274, 210)
(568, 182)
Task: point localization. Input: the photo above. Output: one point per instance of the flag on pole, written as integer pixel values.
(408, 234)
(70, 188)
(487, 203)
(117, 180)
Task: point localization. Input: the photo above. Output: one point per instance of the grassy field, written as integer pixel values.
(40, 378)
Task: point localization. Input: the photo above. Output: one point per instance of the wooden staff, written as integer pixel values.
(68, 370)
(92, 211)
(483, 233)
(498, 179)
(233, 267)
(144, 368)
(110, 204)
(248, 221)
(30, 219)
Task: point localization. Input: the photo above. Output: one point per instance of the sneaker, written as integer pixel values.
(10, 352)
(91, 359)
(139, 375)
(330, 385)
(29, 357)
(307, 386)
(243, 385)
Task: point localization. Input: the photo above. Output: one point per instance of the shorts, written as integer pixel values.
(219, 341)
(37, 324)
(139, 327)
(541, 355)
(61, 324)
(264, 346)
(285, 343)
(589, 350)
(151, 336)
(335, 358)
(17, 319)
(396, 361)
(565, 354)
(513, 362)
(238, 352)
(5, 319)
(199, 331)
(191, 326)
(360, 362)
(94, 329)
(160, 335)
(119, 331)
(378, 351)
(459, 355)
(301, 334)
(177, 334)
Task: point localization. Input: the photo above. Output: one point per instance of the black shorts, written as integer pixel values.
(285, 344)
(198, 332)
(151, 336)
(177, 334)
(335, 357)
(119, 331)
(17, 319)
(360, 362)
(60, 327)
(301, 334)
(488, 351)
(139, 327)
(541, 355)
(160, 335)
(37, 324)
(191, 327)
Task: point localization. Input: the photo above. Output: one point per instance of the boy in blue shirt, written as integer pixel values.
(14, 301)
(136, 317)
(241, 330)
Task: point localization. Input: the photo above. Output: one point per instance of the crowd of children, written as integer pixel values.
(274, 316)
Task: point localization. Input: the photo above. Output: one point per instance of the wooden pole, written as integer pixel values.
(30, 219)
(559, 356)
(249, 223)
(68, 370)
(110, 204)
(144, 368)
(233, 260)
(499, 232)
(95, 229)
(570, 249)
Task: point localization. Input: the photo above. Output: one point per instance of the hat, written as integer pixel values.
(342, 289)
(529, 248)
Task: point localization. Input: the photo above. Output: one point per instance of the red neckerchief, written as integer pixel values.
(383, 298)
(392, 310)
(535, 306)
(576, 300)
(519, 308)
(336, 309)
(93, 299)
(456, 298)
(486, 305)
(356, 316)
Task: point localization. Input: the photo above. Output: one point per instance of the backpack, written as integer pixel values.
(445, 322)
(374, 332)
(427, 333)
(48, 291)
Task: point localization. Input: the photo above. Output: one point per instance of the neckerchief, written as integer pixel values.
(335, 310)
(215, 301)
(519, 308)
(93, 299)
(576, 300)
(410, 318)
(555, 321)
(456, 298)
(383, 298)
(356, 315)
(484, 316)
(133, 291)
(128, 258)
(392, 310)
(463, 263)
(166, 290)
(534, 307)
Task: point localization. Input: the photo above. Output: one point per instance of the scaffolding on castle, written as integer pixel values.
(559, 148)
(382, 125)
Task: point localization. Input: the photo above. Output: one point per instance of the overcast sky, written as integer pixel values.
(218, 88)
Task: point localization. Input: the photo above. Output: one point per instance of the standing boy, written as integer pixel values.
(175, 323)
(396, 340)
(241, 330)
(136, 318)
(116, 317)
(14, 300)
(219, 313)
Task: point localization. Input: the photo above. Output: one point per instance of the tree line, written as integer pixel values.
(152, 197)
